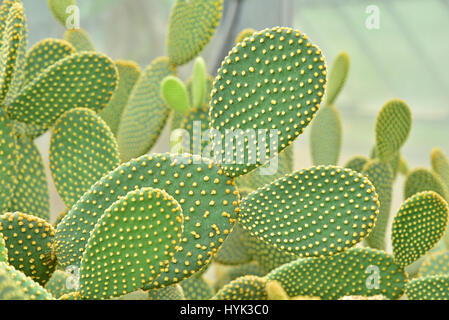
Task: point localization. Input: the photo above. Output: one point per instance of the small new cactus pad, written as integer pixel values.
(243, 288)
(245, 33)
(59, 9)
(357, 271)
(312, 212)
(137, 237)
(31, 182)
(3, 250)
(440, 164)
(434, 264)
(422, 179)
(418, 226)
(8, 161)
(13, 50)
(10, 289)
(80, 40)
(381, 175)
(272, 83)
(173, 292)
(196, 123)
(32, 290)
(255, 179)
(337, 77)
(146, 113)
(326, 136)
(393, 125)
(191, 26)
(196, 288)
(175, 95)
(357, 163)
(234, 250)
(82, 150)
(225, 274)
(44, 54)
(275, 291)
(199, 83)
(208, 198)
(129, 72)
(57, 285)
(428, 288)
(29, 243)
(84, 80)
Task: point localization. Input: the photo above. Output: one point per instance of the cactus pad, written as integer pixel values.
(146, 113)
(80, 40)
(175, 94)
(312, 212)
(191, 26)
(357, 163)
(393, 126)
(8, 161)
(196, 288)
(57, 285)
(245, 33)
(199, 83)
(59, 9)
(234, 250)
(440, 164)
(85, 80)
(352, 272)
(208, 198)
(429, 288)
(337, 77)
(244, 288)
(82, 150)
(137, 237)
(29, 243)
(273, 80)
(173, 292)
(421, 179)
(3, 250)
(418, 226)
(10, 289)
(435, 264)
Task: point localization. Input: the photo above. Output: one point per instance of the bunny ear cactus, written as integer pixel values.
(326, 131)
(357, 163)
(313, 212)
(440, 165)
(8, 161)
(208, 199)
(173, 292)
(191, 26)
(243, 288)
(199, 82)
(428, 288)
(356, 271)
(175, 94)
(80, 40)
(59, 9)
(82, 150)
(422, 179)
(196, 288)
(245, 33)
(29, 241)
(10, 289)
(57, 285)
(3, 250)
(435, 264)
(146, 113)
(418, 226)
(272, 81)
(234, 250)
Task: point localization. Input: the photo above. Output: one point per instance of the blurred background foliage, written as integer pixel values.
(407, 57)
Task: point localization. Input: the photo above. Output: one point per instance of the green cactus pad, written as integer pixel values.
(31, 182)
(44, 54)
(435, 264)
(337, 77)
(173, 292)
(275, 291)
(312, 212)
(3, 250)
(59, 8)
(29, 242)
(357, 163)
(146, 113)
(32, 290)
(326, 136)
(440, 164)
(10, 289)
(60, 217)
(57, 285)
(85, 80)
(208, 198)
(353, 272)
(255, 179)
(418, 226)
(273, 80)
(403, 166)
(234, 250)
(71, 296)
(196, 288)
(381, 175)
(82, 150)
(243, 288)
(13, 50)
(196, 123)
(225, 274)
(175, 95)
(8, 161)
(428, 288)
(31, 131)
(137, 237)
(393, 126)
(80, 40)
(199, 83)
(129, 73)
(191, 26)
(245, 33)
(422, 179)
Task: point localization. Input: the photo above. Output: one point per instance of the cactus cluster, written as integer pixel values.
(154, 226)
